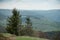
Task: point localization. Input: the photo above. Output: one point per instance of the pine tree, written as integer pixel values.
(14, 23)
(29, 29)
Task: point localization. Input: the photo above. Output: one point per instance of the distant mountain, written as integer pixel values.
(53, 15)
(43, 20)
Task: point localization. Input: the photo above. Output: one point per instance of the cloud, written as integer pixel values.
(5, 0)
(30, 4)
(58, 0)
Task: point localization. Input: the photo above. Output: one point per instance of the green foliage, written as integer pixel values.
(14, 22)
(22, 31)
(14, 25)
(28, 28)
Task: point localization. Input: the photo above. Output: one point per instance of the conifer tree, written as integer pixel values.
(14, 23)
(29, 29)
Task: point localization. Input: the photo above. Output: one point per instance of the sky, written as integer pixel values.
(30, 4)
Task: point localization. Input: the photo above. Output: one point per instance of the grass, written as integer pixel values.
(24, 37)
(28, 38)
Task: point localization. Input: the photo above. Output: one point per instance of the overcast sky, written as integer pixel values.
(30, 4)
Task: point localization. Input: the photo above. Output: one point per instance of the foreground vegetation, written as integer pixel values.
(28, 38)
(8, 36)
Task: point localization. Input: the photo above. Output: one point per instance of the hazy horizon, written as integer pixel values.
(30, 9)
(30, 4)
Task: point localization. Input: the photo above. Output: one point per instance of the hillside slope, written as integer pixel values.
(42, 20)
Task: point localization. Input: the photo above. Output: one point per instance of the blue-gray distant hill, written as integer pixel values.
(43, 20)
